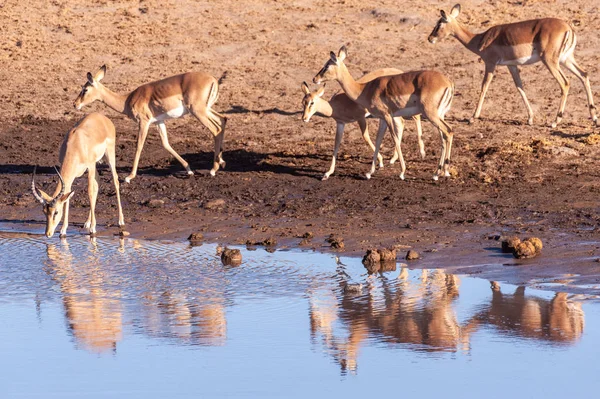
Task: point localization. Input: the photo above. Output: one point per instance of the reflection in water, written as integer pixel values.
(91, 294)
(94, 315)
(418, 314)
(111, 289)
(558, 320)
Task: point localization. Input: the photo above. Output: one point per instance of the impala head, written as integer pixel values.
(52, 207)
(443, 27)
(89, 91)
(331, 68)
(310, 100)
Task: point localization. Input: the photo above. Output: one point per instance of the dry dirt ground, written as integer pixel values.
(509, 177)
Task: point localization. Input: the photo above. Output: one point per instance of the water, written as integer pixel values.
(149, 319)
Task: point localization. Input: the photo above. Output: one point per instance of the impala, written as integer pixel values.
(549, 40)
(170, 98)
(92, 138)
(343, 110)
(412, 93)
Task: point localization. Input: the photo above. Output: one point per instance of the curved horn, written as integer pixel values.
(62, 186)
(34, 189)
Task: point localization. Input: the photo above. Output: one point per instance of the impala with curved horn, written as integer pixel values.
(170, 98)
(550, 40)
(91, 139)
(343, 110)
(426, 92)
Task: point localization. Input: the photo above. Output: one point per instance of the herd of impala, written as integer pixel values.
(387, 94)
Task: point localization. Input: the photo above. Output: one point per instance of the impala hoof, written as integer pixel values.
(435, 177)
(530, 122)
(423, 155)
(190, 173)
(401, 176)
(554, 125)
(128, 179)
(223, 164)
(325, 177)
(213, 173)
(62, 235)
(368, 176)
(446, 174)
(471, 121)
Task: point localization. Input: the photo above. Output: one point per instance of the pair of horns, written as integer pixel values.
(36, 192)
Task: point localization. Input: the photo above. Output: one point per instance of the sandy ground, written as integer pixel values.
(509, 177)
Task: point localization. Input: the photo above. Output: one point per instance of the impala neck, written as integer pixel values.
(113, 100)
(466, 37)
(324, 108)
(352, 88)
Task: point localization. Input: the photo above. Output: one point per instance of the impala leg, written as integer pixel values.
(141, 139)
(514, 71)
(446, 137)
(378, 140)
(215, 124)
(93, 194)
(572, 66)
(417, 119)
(65, 223)
(487, 79)
(339, 134)
(223, 121)
(562, 80)
(396, 129)
(364, 128)
(162, 130)
(110, 159)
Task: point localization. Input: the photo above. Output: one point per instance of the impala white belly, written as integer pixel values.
(171, 114)
(408, 111)
(530, 59)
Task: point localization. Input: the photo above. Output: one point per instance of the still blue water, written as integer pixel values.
(85, 318)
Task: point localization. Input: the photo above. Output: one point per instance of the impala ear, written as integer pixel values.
(305, 88)
(455, 11)
(444, 16)
(44, 195)
(321, 91)
(333, 56)
(67, 196)
(342, 53)
(100, 74)
(90, 78)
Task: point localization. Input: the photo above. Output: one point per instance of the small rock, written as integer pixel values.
(336, 242)
(387, 255)
(372, 261)
(156, 203)
(305, 242)
(196, 237)
(537, 244)
(524, 250)
(231, 257)
(214, 204)
(308, 235)
(412, 255)
(564, 151)
(269, 242)
(510, 243)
